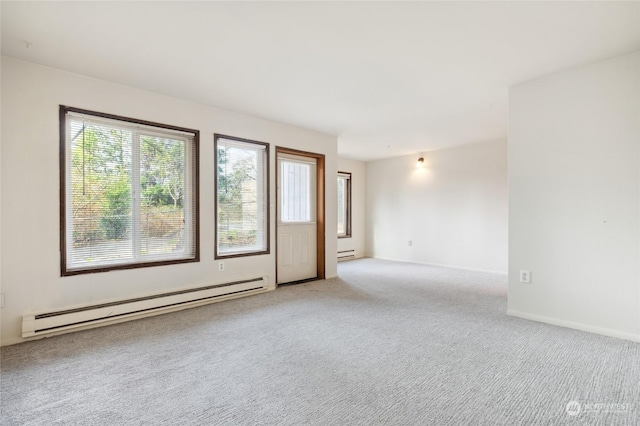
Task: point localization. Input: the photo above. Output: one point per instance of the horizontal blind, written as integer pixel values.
(295, 196)
(241, 197)
(130, 193)
(127, 125)
(344, 182)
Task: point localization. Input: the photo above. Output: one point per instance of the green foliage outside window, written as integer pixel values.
(102, 183)
(237, 199)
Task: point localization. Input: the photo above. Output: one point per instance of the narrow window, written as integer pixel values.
(344, 205)
(242, 213)
(129, 191)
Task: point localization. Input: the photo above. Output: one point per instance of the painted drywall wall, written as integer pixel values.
(31, 277)
(358, 176)
(1, 292)
(574, 185)
(452, 211)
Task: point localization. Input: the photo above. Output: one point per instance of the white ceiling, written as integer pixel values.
(388, 78)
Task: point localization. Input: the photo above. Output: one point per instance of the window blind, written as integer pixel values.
(130, 193)
(242, 201)
(344, 204)
(295, 198)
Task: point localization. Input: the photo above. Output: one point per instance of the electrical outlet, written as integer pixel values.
(410, 243)
(220, 266)
(525, 276)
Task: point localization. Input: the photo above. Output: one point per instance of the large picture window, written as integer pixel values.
(344, 205)
(242, 213)
(129, 192)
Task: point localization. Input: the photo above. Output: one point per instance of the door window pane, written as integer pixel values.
(295, 200)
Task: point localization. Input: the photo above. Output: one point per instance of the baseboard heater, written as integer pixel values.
(90, 316)
(346, 254)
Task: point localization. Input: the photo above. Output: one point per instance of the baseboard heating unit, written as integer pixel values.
(346, 255)
(90, 316)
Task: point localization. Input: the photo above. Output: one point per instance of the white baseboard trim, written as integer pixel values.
(575, 325)
(442, 265)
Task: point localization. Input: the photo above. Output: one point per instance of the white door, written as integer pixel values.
(297, 226)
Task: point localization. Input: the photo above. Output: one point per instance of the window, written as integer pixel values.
(242, 213)
(295, 200)
(344, 205)
(129, 192)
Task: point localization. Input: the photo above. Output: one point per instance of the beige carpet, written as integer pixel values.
(388, 343)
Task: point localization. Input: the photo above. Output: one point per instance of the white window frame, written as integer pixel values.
(309, 204)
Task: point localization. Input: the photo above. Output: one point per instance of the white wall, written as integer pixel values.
(31, 278)
(574, 193)
(454, 209)
(1, 291)
(358, 185)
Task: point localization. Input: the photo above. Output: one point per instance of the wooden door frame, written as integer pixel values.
(320, 207)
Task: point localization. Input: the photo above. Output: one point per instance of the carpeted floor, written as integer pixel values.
(387, 343)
